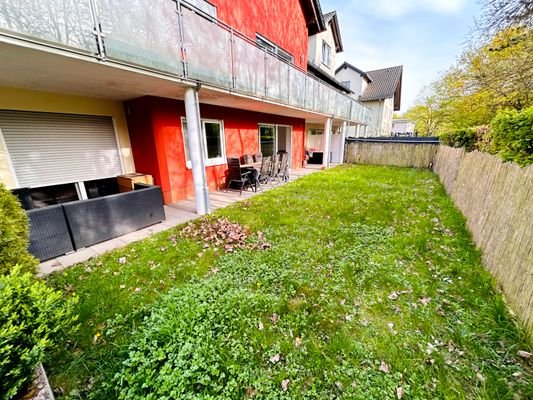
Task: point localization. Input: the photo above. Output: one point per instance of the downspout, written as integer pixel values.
(194, 133)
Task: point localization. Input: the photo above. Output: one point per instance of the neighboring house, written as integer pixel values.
(322, 54)
(379, 90)
(403, 127)
(90, 90)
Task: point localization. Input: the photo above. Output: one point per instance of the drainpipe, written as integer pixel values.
(327, 142)
(344, 130)
(194, 133)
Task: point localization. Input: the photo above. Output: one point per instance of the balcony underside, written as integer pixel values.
(30, 66)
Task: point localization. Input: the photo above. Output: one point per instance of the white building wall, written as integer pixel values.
(357, 82)
(382, 112)
(314, 50)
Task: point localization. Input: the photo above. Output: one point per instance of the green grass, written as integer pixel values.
(345, 244)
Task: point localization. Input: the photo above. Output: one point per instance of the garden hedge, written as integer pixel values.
(13, 234)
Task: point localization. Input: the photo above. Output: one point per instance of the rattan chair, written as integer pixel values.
(258, 157)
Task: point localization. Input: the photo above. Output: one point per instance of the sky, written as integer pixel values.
(425, 36)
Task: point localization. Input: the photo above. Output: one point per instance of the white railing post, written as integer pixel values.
(194, 133)
(327, 142)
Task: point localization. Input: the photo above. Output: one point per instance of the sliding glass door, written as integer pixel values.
(267, 140)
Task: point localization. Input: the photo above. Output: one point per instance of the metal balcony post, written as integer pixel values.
(232, 56)
(182, 42)
(194, 133)
(97, 30)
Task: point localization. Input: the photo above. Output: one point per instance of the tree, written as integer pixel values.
(499, 15)
(427, 114)
(486, 78)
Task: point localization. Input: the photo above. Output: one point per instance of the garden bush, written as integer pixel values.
(33, 319)
(512, 135)
(462, 138)
(13, 234)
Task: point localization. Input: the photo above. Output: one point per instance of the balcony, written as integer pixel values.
(166, 37)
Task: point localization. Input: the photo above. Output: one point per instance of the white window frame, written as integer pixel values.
(217, 160)
(203, 6)
(325, 45)
(273, 48)
(208, 161)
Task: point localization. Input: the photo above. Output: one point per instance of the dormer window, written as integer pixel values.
(326, 53)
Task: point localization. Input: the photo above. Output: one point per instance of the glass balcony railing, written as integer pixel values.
(167, 37)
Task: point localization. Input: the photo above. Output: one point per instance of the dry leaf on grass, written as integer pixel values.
(524, 354)
(221, 232)
(384, 367)
(275, 358)
(399, 393)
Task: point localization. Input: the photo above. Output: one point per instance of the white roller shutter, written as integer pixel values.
(50, 149)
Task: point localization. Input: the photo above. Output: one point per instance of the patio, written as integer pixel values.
(176, 214)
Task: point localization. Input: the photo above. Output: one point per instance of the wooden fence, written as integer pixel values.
(418, 155)
(497, 200)
(495, 197)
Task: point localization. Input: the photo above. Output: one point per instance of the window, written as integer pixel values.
(204, 6)
(267, 140)
(213, 142)
(346, 84)
(274, 49)
(213, 139)
(326, 53)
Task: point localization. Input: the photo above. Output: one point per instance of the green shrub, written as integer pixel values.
(462, 138)
(13, 234)
(33, 319)
(512, 136)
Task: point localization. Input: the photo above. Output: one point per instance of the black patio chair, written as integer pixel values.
(237, 175)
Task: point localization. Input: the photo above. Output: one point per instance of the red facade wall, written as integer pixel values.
(280, 21)
(158, 149)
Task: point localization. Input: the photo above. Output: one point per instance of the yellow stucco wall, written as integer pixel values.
(28, 100)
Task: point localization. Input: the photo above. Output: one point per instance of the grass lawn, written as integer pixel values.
(371, 289)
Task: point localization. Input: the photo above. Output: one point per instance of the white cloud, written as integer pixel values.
(400, 8)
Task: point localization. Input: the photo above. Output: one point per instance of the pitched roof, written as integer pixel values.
(315, 70)
(331, 19)
(385, 83)
(313, 16)
(346, 65)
